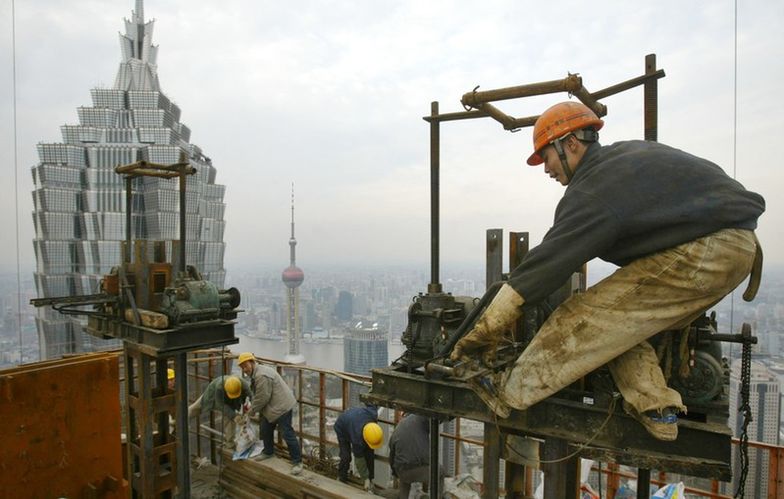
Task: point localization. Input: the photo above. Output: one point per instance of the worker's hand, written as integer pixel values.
(369, 485)
(246, 407)
(496, 320)
(478, 340)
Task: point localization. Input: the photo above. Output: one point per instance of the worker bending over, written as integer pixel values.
(274, 400)
(680, 229)
(224, 393)
(409, 453)
(359, 434)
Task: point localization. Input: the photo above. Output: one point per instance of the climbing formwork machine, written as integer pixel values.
(583, 420)
(161, 310)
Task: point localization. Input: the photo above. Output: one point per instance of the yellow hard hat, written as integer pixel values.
(245, 356)
(373, 435)
(170, 373)
(232, 386)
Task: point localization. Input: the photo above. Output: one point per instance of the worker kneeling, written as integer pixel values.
(680, 229)
(227, 394)
(359, 434)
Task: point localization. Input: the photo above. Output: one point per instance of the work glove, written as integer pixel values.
(369, 485)
(496, 320)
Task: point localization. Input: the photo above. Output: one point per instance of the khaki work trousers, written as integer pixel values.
(611, 321)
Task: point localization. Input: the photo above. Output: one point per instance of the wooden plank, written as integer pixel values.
(273, 476)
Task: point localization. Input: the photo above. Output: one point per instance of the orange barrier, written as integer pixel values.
(60, 431)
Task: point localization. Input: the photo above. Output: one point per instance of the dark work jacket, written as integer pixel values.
(215, 397)
(629, 200)
(409, 445)
(349, 425)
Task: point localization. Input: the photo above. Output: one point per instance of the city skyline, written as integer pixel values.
(334, 97)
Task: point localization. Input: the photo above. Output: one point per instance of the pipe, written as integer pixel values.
(568, 84)
(435, 164)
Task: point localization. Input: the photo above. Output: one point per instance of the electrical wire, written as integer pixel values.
(16, 181)
(734, 145)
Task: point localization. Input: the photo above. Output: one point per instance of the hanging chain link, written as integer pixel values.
(744, 409)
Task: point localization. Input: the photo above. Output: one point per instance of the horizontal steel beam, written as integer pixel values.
(702, 449)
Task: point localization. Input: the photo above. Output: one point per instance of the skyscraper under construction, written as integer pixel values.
(79, 201)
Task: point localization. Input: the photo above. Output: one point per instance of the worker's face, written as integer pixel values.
(552, 163)
(247, 367)
(553, 166)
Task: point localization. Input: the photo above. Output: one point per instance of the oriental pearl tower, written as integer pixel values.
(292, 278)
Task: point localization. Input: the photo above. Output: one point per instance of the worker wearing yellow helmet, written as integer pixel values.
(681, 231)
(274, 401)
(359, 434)
(226, 394)
(170, 378)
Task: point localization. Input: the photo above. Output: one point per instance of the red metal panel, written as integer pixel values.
(60, 429)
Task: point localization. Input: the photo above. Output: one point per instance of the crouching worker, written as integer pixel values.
(409, 454)
(359, 434)
(224, 393)
(679, 228)
(275, 401)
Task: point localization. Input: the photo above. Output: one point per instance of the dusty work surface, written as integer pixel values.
(204, 481)
(272, 478)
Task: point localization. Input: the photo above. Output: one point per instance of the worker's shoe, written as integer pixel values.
(296, 469)
(662, 423)
(263, 456)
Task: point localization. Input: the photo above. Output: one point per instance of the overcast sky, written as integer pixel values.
(330, 94)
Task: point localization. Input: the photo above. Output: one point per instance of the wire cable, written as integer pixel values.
(16, 181)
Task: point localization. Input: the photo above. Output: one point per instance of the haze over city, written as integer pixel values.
(330, 97)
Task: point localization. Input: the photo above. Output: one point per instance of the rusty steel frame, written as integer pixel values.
(611, 471)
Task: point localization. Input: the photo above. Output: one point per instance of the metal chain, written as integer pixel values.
(745, 411)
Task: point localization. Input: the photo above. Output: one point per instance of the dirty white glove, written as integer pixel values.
(491, 326)
(369, 485)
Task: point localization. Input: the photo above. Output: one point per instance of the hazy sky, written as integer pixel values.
(330, 94)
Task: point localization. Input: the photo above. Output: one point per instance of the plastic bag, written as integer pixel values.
(670, 491)
(247, 439)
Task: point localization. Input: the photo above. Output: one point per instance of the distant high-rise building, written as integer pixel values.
(365, 347)
(344, 309)
(292, 278)
(79, 201)
(765, 402)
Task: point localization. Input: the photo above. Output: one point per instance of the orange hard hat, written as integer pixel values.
(560, 120)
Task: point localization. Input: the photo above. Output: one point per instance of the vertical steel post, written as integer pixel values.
(131, 431)
(128, 210)
(435, 164)
(322, 415)
(518, 248)
(491, 465)
(435, 482)
(495, 256)
(183, 464)
(561, 478)
(182, 218)
(651, 100)
(643, 483)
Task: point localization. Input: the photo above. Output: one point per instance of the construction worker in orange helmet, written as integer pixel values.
(679, 228)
